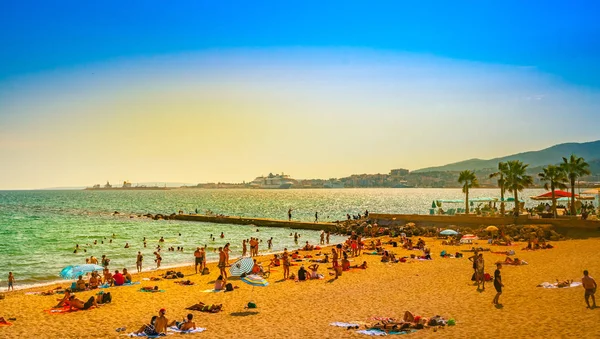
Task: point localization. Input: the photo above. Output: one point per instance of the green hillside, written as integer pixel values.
(590, 151)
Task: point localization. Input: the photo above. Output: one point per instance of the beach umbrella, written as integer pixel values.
(448, 232)
(243, 265)
(491, 228)
(255, 280)
(72, 272)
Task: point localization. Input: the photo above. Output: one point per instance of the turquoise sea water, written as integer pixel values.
(39, 229)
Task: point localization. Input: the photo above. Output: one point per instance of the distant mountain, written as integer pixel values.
(590, 151)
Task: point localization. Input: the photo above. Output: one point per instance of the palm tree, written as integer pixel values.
(468, 179)
(574, 168)
(517, 179)
(554, 178)
(502, 169)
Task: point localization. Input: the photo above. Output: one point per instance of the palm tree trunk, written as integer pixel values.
(467, 201)
(553, 200)
(502, 200)
(517, 204)
(573, 211)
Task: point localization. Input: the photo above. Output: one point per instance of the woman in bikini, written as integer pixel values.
(286, 263)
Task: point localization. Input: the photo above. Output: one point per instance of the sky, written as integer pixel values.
(205, 91)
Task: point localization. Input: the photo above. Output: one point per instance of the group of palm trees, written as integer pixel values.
(512, 177)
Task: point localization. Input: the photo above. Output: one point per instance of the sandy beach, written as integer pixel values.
(288, 309)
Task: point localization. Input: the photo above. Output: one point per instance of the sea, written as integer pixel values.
(39, 230)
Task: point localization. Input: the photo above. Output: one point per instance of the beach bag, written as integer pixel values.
(229, 287)
(251, 305)
(106, 298)
(487, 277)
(205, 271)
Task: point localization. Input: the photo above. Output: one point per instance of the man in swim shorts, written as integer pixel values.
(222, 260)
(80, 305)
(590, 289)
(497, 283)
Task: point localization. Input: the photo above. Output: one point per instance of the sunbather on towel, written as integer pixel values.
(202, 307)
(78, 304)
(564, 283)
(149, 289)
(515, 261)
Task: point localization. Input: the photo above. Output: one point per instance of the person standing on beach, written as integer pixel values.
(590, 289)
(286, 263)
(222, 263)
(497, 284)
(473, 259)
(11, 282)
(290, 214)
(198, 259)
(158, 259)
(480, 276)
(138, 261)
(226, 250)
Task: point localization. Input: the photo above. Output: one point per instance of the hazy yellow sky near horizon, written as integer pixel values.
(231, 115)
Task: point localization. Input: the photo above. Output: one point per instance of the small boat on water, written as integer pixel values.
(273, 181)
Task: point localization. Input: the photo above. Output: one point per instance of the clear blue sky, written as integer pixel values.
(96, 90)
(558, 37)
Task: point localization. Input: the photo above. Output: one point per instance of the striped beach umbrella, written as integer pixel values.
(243, 265)
(255, 280)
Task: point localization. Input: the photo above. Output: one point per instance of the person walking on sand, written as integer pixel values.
(497, 284)
(138, 262)
(590, 289)
(290, 214)
(11, 282)
(222, 263)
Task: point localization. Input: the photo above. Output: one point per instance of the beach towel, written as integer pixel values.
(66, 309)
(344, 325)
(197, 330)
(555, 285)
(125, 284)
(376, 332)
(153, 291)
(5, 324)
(212, 291)
(132, 334)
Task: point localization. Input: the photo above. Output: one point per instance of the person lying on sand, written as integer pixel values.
(202, 307)
(515, 261)
(563, 283)
(149, 289)
(78, 304)
(325, 260)
(511, 252)
(362, 266)
(185, 282)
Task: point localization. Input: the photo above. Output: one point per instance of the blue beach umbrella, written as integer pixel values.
(448, 232)
(72, 272)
